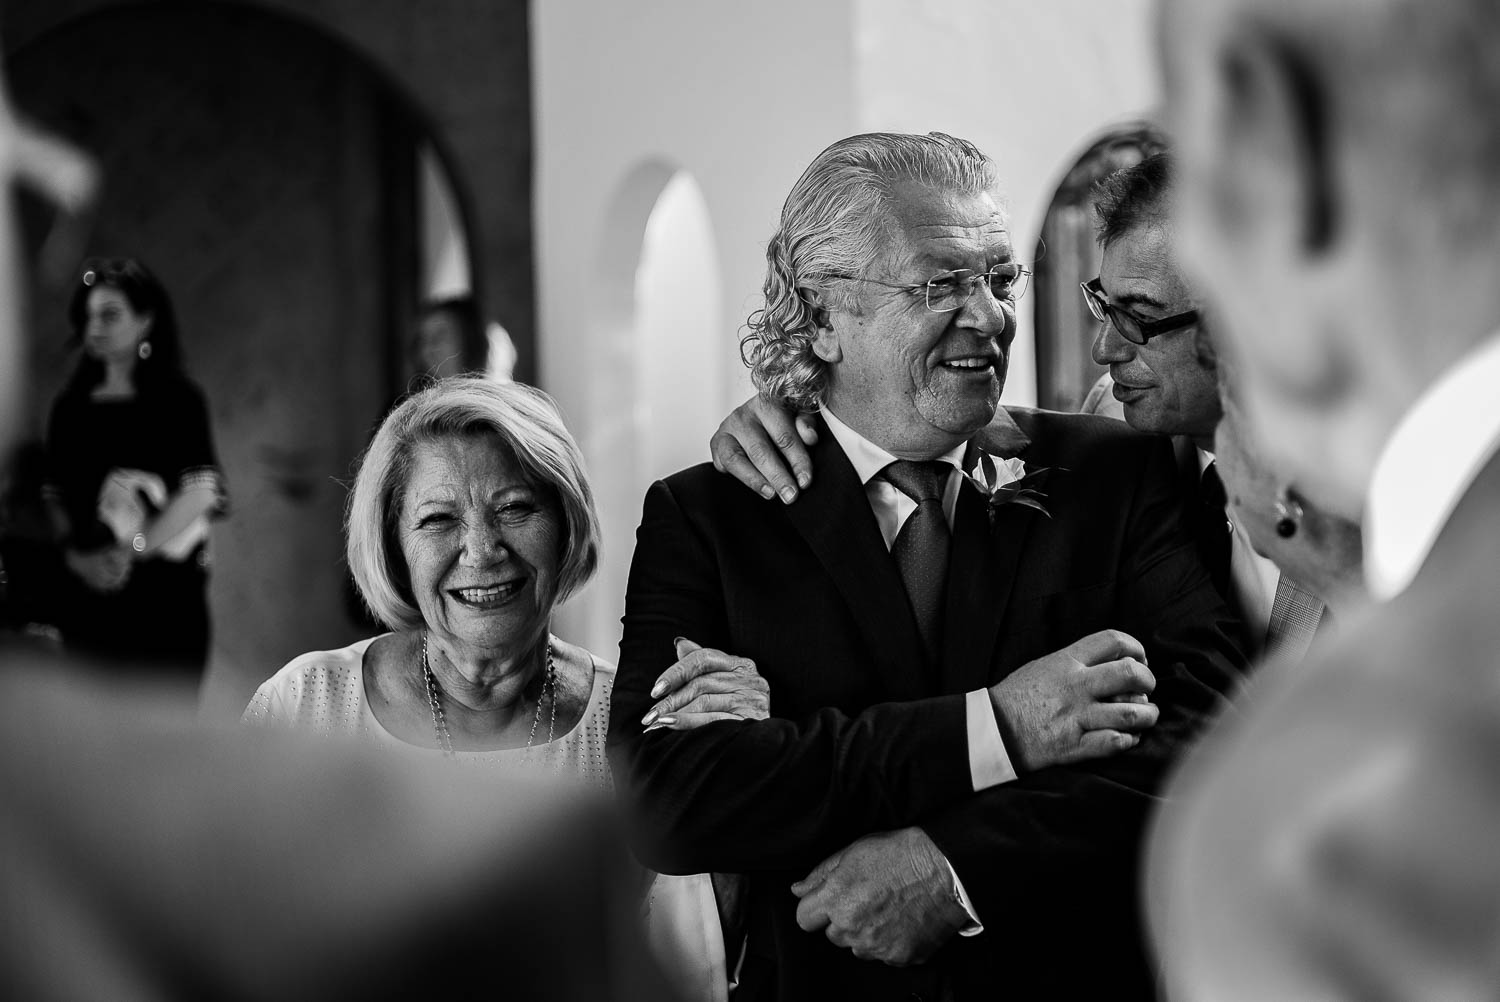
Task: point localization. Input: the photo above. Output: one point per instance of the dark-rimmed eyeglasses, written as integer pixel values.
(1131, 327)
(950, 290)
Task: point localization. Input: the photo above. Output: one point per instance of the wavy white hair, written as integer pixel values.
(835, 222)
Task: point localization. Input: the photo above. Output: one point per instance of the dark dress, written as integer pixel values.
(160, 618)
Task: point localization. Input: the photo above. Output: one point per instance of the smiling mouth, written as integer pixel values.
(488, 596)
(976, 363)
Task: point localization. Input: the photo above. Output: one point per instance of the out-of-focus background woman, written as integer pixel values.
(132, 478)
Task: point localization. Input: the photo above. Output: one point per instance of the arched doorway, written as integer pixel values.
(654, 367)
(269, 174)
(1067, 254)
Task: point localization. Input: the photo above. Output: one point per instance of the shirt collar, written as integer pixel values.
(1428, 463)
(867, 458)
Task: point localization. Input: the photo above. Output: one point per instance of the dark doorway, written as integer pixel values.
(267, 174)
(1068, 255)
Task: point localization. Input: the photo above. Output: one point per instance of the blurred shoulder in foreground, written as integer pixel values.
(147, 856)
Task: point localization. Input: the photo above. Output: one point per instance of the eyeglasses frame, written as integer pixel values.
(1093, 295)
(974, 280)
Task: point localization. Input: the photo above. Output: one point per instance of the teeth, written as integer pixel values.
(968, 363)
(487, 594)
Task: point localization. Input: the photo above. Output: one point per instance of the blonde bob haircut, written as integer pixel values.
(526, 420)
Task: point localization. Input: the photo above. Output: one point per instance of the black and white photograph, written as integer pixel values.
(888, 500)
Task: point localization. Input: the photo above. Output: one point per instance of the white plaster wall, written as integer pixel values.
(742, 96)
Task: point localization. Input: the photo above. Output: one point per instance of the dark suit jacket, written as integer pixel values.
(864, 739)
(1340, 839)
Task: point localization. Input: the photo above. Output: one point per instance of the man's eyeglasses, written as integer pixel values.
(950, 290)
(1131, 327)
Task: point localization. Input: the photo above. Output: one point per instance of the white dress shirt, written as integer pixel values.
(1428, 463)
(989, 763)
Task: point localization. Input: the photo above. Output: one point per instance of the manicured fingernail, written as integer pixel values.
(788, 495)
(665, 721)
(767, 493)
(803, 479)
(653, 727)
(650, 717)
(657, 689)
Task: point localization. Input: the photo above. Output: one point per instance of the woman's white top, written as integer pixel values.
(324, 691)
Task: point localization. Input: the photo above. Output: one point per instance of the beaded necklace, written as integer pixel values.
(440, 722)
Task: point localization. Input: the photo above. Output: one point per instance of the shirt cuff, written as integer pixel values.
(989, 764)
(974, 926)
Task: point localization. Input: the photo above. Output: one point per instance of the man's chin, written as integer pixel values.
(1142, 417)
(967, 421)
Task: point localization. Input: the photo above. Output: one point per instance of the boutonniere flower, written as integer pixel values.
(1007, 481)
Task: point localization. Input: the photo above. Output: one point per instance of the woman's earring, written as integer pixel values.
(144, 350)
(1288, 515)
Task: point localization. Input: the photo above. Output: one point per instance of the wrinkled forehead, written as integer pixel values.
(946, 227)
(1145, 253)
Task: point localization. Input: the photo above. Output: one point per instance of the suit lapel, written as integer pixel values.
(834, 517)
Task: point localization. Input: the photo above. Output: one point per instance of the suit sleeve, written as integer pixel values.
(1027, 849)
(752, 795)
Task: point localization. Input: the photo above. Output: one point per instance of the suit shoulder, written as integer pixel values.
(1080, 436)
(702, 487)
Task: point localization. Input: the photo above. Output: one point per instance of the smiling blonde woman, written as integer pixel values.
(470, 519)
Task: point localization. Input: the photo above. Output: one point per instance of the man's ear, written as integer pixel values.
(825, 340)
(1277, 139)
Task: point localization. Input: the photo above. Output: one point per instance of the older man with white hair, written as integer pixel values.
(964, 735)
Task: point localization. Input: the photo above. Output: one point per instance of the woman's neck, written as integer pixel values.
(486, 693)
(118, 381)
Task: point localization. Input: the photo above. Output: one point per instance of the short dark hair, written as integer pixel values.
(1132, 197)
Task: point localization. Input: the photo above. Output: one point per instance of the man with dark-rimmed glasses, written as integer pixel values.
(1162, 370)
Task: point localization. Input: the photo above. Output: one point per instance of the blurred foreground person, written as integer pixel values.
(149, 857)
(1322, 551)
(144, 856)
(134, 478)
(1341, 202)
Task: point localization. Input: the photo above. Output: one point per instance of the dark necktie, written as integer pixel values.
(921, 547)
(1214, 531)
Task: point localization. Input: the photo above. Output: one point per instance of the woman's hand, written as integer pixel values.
(707, 685)
(105, 570)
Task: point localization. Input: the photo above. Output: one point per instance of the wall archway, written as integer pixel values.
(654, 366)
(276, 200)
(1067, 254)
